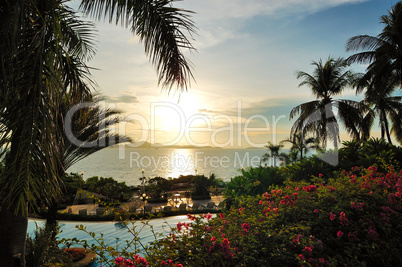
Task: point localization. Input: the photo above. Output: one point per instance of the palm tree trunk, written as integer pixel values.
(385, 127)
(387, 132)
(13, 231)
(13, 226)
(51, 222)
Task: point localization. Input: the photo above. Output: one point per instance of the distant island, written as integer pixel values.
(157, 145)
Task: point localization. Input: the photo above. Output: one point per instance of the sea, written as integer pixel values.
(128, 164)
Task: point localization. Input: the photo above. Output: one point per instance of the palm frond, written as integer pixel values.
(161, 27)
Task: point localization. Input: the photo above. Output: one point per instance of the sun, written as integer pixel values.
(172, 115)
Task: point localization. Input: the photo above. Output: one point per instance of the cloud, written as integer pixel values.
(222, 20)
(215, 10)
(208, 111)
(122, 98)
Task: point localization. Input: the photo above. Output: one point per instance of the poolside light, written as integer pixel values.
(144, 198)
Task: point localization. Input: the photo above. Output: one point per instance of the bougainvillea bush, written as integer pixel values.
(353, 220)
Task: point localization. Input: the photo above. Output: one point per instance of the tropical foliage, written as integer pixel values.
(342, 222)
(253, 181)
(381, 103)
(43, 250)
(383, 75)
(347, 221)
(274, 153)
(317, 117)
(45, 46)
(381, 52)
(301, 144)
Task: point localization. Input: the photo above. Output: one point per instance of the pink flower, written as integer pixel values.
(245, 227)
(221, 215)
(266, 195)
(339, 234)
(374, 169)
(310, 188)
(308, 250)
(315, 211)
(344, 221)
(301, 257)
(119, 260)
(207, 216)
(358, 206)
(332, 216)
(191, 217)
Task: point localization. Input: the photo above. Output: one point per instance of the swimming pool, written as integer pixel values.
(113, 230)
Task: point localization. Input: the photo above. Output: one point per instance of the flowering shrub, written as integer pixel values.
(352, 220)
(136, 262)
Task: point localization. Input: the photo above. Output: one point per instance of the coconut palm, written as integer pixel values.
(382, 104)
(83, 133)
(163, 29)
(273, 152)
(44, 47)
(301, 144)
(43, 44)
(318, 117)
(383, 52)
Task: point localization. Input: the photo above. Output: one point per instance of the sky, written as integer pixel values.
(245, 63)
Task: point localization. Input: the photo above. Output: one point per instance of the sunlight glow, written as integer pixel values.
(172, 115)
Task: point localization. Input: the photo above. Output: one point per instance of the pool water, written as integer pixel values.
(113, 231)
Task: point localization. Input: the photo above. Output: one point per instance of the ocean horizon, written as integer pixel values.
(126, 165)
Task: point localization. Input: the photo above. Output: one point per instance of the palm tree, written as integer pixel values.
(318, 117)
(301, 144)
(91, 126)
(383, 53)
(381, 103)
(383, 76)
(273, 152)
(161, 27)
(44, 47)
(43, 44)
